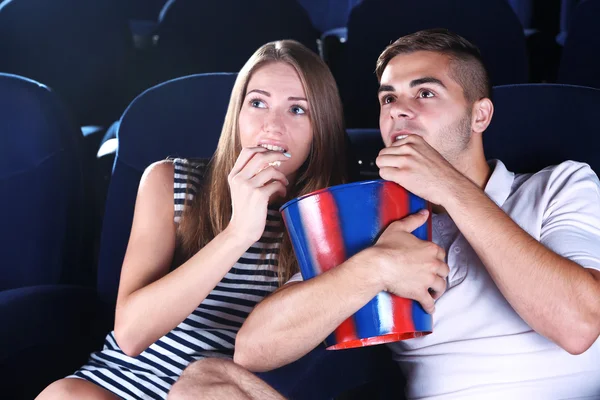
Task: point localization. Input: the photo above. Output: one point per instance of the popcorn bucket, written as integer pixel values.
(329, 226)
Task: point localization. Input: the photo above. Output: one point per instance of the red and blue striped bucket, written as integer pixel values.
(329, 226)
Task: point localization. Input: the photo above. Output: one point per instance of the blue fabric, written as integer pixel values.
(81, 49)
(524, 10)
(321, 374)
(180, 118)
(144, 9)
(220, 36)
(580, 64)
(538, 125)
(52, 329)
(567, 11)
(46, 332)
(374, 24)
(329, 14)
(42, 185)
(43, 314)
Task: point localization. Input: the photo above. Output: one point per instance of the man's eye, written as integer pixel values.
(426, 94)
(388, 100)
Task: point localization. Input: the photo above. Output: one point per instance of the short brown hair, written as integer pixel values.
(466, 65)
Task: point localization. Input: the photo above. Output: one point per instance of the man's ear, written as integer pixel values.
(483, 110)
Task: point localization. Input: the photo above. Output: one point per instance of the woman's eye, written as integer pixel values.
(257, 104)
(297, 110)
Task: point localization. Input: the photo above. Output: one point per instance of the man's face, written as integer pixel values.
(418, 96)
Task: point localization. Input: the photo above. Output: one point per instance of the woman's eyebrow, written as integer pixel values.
(259, 91)
(265, 93)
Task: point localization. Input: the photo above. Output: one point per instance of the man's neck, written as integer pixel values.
(476, 169)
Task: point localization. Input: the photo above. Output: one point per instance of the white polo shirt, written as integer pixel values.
(480, 348)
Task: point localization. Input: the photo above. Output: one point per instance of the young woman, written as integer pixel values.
(207, 242)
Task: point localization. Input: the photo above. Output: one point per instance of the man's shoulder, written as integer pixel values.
(557, 177)
(567, 191)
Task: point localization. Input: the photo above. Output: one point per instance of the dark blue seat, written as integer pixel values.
(524, 10)
(41, 182)
(374, 24)
(181, 118)
(567, 11)
(42, 220)
(47, 332)
(178, 118)
(580, 64)
(147, 10)
(63, 324)
(81, 49)
(219, 36)
(329, 14)
(537, 125)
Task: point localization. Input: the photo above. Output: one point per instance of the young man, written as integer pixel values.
(517, 307)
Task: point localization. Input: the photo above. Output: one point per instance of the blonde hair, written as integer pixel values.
(210, 211)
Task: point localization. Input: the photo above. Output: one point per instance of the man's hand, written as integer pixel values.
(410, 267)
(416, 166)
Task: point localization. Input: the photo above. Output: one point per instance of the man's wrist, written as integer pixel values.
(366, 265)
(460, 195)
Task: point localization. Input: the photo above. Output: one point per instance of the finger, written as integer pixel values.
(274, 187)
(437, 288)
(245, 156)
(404, 148)
(260, 162)
(406, 139)
(427, 303)
(392, 174)
(441, 255)
(412, 139)
(267, 175)
(392, 160)
(443, 270)
(413, 221)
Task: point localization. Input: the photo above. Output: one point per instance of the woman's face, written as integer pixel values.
(275, 114)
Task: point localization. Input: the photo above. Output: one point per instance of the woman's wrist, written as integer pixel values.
(236, 238)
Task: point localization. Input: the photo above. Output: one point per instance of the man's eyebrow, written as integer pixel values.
(259, 91)
(386, 88)
(427, 80)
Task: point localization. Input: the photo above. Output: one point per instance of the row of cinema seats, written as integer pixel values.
(51, 319)
(98, 55)
(551, 16)
(87, 53)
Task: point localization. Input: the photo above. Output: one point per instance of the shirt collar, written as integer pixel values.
(499, 185)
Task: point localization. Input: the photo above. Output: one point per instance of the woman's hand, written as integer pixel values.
(253, 180)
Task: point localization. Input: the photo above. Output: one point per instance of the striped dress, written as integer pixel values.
(209, 331)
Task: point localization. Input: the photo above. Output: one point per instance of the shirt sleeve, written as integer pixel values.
(571, 220)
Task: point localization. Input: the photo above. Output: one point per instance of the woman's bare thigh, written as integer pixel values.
(75, 389)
